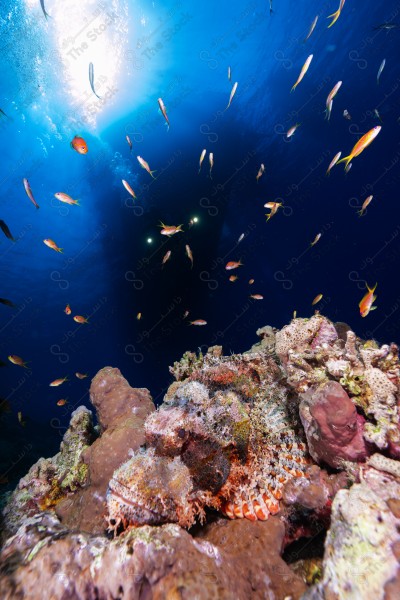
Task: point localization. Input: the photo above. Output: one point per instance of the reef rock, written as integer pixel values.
(237, 559)
(333, 429)
(121, 411)
(313, 352)
(51, 479)
(362, 548)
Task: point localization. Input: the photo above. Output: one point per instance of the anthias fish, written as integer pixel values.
(163, 110)
(313, 24)
(79, 144)
(336, 14)
(91, 79)
(303, 71)
(145, 166)
(51, 244)
(362, 143)
(29, 192)
(202, 155)
(333, 162)
(65, 198)
(128, 188)
(366, 304)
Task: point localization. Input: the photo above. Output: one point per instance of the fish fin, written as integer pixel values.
(373, 308)
(335, 16)
(345, 159)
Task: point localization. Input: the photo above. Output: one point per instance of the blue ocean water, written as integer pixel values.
(111, 266)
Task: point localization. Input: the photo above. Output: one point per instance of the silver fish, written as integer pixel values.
(91, 79)
(383, 63)
(46, 14)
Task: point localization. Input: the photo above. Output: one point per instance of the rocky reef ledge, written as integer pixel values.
(269, 474)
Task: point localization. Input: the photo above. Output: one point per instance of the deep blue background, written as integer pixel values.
(181, 51)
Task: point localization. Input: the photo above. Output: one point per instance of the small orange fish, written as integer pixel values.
(79, 145)
(330, 98)
(80, 319)
(333, 162)
(233, 277)
(164, 111)
(336, 14)
(260, 172)
(198, 322)
(128, 139)
(52, 245)
(366, 202)
(317, 299)
(257, 296)
(81, 375)
(166, 257)
(128, 188)
(62, 402)
(202, 155)
(211, 161)
(316, 239)
(139, 316)
(189, 254)
(292, 130)
(303, 71)
(29, 193)
(233, 264)
(251, 281)
(233, 92)
(17, 360)
(367, 301)
(185, 314)
(65, 198)
(362, 143)
(145, 166)
(67, 310)
(170, 229)
(58, 382)
(346, 114)
(21, 419)
(273, 206)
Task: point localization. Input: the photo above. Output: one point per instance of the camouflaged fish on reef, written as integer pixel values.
(225, 437)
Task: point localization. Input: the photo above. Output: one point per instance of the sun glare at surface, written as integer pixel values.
(88, 32)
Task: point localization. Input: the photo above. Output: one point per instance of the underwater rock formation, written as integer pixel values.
(121, 411)
(313, 353)
(362, 548)
(301, 431)
(51, 479)
(148, 562)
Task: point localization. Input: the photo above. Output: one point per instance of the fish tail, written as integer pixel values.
(373, 289)
(151, 173)
(294, 87)
(77, 203)
(60, 250)
(335, 16)
(345, 159)
(360, 213)
(37, 205)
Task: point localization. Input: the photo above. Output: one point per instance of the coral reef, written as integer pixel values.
(313, 352)
(51, 479)
(121, 411)
(333, 428)
(148, 562)
(252, 453)
(362, 548)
